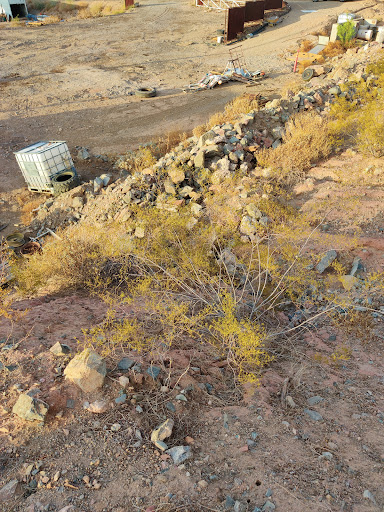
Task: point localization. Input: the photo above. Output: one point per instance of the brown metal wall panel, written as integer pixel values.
(254, 10)
(273, 4)
(235, 22)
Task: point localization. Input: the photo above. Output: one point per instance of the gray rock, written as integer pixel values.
(247, 226)
(170, 406)
(154, 372)
(180, 454)
(87, 370)
(334, 91)
(83, 154)
(369, 496)
(212, 150)
(59, 349)
(199, 160)
(357, 266)
(314, 415)
(239, 507)
(125, 364)
(121, 399)
(268, 505)
(30, 409)
(207, 136)
(326, 455)
(97, 185)
(313, 400)
(229, 503)
(326, 261)
(10, 491)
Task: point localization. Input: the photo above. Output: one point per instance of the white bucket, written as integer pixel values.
(220, 39)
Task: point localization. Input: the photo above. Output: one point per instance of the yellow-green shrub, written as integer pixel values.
(306, 141)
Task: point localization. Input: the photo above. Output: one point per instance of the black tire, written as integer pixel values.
(64, 181)
(145, 92)
(307, 74)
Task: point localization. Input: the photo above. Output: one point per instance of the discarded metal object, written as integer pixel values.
(15, 240)
(235, 70)
(31, 248)
(234, 22)
(254, 11)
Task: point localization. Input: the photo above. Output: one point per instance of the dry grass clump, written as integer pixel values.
(306, 45)
(333, 49)
(77, 260)
(305, 142)
(28, 202)
(357, 119)
(81, 9)
(232, 111)
(16, 22)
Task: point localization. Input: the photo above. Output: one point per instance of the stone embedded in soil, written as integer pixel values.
(239, 507)
(162, 432)
(369, 496)
(313, 400)
(125, 364)
(229, 503)
(30, 409)
(59, 349)
(326, 261)
(10, 491)
(268, 506)
(314, 415)
(98, 407)
(180, 454)
(349, 282)
(154, 372)
(87, 370)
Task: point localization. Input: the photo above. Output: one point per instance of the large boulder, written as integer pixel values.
(87, 370)
(29, 408)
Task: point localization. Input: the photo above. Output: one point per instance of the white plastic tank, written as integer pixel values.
(43, 160)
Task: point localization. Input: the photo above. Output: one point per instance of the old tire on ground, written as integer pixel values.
(307, 74)
(64, 181)
(145, 92)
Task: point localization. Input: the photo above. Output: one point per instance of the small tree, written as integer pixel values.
(346, 32)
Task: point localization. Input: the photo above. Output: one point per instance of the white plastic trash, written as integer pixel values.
(346, 16)
(220, 39)
(365, 34)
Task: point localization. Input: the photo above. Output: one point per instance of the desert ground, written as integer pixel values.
(310, 438)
